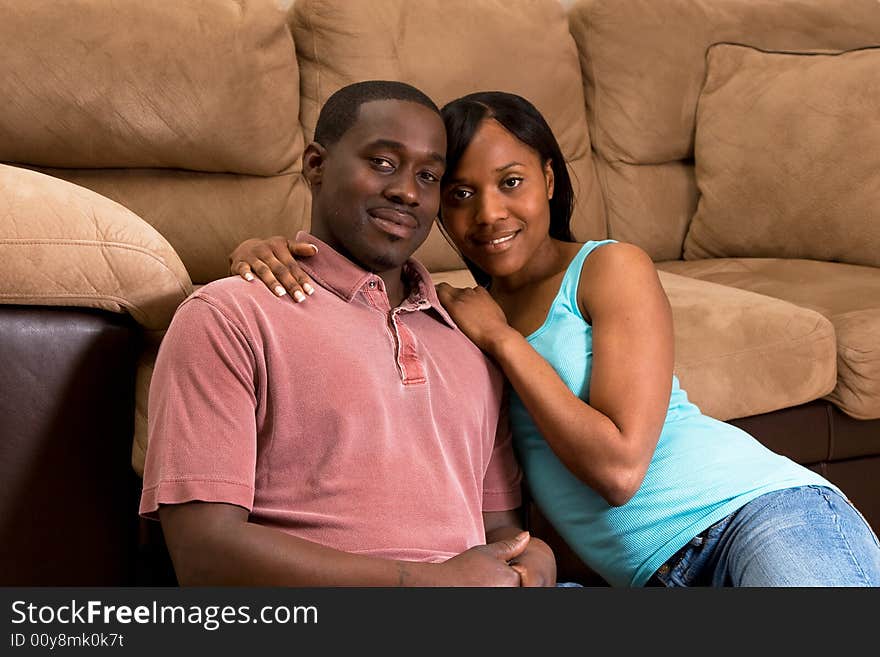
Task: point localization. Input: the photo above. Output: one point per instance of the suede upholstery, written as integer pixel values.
(644, 64)
(448, 49)
(65, 245)
(739, 354)
(848, 295)
(163, 110)
(179, 131)
(785, 163)
(788, 156)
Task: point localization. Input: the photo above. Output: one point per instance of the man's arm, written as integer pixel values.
(214, 544)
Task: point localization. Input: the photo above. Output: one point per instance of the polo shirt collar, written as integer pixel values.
(333, 271)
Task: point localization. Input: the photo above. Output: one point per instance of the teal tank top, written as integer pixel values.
(702, 469)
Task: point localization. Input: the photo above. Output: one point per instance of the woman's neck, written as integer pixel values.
(551, 257)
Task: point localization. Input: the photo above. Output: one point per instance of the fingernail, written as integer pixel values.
(299, 296)
(309, 289)
(280, 291)
(315, 248)
(249, 276)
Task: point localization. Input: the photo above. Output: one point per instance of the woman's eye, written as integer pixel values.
(461, 194)
(512, 182)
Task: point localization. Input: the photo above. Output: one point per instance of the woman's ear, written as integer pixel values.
(313, 163)
(548, 178)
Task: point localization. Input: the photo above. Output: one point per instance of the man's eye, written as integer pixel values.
(512, 182)
(430, 177)
(382, 164)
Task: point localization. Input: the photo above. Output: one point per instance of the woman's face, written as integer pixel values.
(495, 205)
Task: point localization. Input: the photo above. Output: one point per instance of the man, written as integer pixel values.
(357, 439)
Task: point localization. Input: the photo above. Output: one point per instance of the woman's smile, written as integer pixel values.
(495, 243)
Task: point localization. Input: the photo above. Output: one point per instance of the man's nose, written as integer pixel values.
(403, 189)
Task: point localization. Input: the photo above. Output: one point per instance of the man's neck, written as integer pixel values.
(395, 287)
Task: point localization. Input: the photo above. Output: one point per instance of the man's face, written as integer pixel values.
(376, 191)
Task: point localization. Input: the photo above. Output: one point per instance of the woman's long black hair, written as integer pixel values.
(520, 118)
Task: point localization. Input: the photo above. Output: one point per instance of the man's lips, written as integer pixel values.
(402, 217)
(395, 222)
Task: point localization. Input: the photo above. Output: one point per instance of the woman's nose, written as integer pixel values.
(492, 208)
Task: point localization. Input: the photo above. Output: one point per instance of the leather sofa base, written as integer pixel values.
(68, 507)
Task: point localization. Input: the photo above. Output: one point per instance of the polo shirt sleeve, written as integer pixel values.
(501, 485)
(201, 413)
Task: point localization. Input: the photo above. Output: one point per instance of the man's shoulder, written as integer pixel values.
(233, 292)
(232, 297)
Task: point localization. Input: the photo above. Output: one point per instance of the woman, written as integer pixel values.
(643, 486)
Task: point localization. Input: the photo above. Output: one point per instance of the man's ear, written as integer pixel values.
(548, 178)
(313, 163)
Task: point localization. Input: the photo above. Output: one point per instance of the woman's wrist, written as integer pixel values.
(504, 344)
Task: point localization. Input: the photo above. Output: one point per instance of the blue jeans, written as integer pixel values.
(805, 536)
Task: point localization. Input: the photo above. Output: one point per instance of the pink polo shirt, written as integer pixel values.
(340, 420)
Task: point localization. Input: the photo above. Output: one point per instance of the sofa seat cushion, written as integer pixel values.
(738, 353)
(848, 295)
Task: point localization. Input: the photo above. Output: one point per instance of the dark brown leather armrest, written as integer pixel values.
(68, 504)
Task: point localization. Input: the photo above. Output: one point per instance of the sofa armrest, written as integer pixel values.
(68, 504)
(64, 245)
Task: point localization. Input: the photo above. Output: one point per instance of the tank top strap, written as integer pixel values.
(568, 290)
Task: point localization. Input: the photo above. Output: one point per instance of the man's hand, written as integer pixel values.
(536, 565)
(482, 565)
(272, 260)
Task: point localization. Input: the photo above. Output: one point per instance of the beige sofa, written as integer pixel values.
(736, 141)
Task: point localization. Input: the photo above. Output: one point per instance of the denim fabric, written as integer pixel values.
(804, 536)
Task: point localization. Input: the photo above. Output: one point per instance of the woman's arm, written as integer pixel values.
(608, 443)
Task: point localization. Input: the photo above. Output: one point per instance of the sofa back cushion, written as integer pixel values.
(184, 112)
(644, 65)
(448, 48)
(788, 156)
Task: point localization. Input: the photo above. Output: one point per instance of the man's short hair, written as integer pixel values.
(340, 111)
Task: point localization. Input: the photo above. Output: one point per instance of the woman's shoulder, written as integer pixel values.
(613, 257)
(615, 272)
